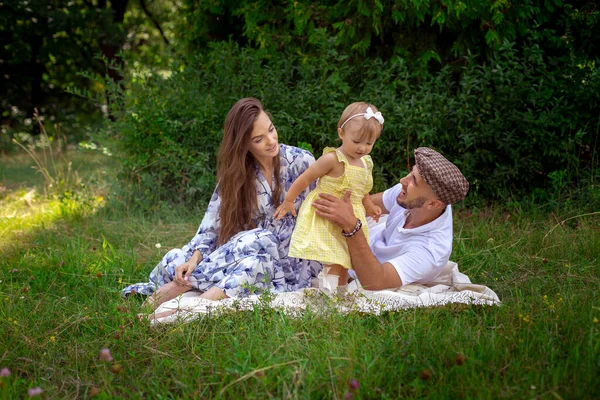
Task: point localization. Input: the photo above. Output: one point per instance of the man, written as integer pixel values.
(415, 242)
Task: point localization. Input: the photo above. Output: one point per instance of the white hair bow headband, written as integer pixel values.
(368, 115)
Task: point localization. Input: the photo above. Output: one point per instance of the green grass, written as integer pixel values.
(65, 257)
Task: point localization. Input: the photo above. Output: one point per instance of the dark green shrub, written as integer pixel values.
(516, 124)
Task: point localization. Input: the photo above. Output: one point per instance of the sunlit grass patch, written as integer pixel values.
(24, 211)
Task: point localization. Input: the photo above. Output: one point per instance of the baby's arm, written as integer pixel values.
(371, 209)
(319, 168)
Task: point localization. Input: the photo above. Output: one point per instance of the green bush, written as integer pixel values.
(513, 125)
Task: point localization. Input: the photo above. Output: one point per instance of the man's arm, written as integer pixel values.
(371, 274)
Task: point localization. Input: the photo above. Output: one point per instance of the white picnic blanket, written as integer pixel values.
(451, 286)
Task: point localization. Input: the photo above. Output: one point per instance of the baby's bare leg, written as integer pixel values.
(341, 272)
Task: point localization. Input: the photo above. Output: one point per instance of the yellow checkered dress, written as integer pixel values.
(314, 237)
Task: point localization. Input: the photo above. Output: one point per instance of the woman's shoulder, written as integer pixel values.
(295, 154)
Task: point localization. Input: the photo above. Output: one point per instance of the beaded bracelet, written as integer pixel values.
(356, 229)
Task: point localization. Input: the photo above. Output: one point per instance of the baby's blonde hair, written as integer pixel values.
(369, 128)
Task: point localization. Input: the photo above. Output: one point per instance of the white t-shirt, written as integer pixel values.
(418, 254)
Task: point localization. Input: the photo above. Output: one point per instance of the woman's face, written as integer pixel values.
(263, 139)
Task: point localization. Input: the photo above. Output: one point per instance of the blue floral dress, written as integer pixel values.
(254, 259)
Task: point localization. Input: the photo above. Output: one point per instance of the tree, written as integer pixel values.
(45, 45)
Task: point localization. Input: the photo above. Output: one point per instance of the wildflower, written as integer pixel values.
(36, 391)
(52, 339)
(99, 274)
(116, 368)
(105, 355)
(460, 359)
(94, 391)
(425, 375)
(347, 396)
(259, 373)
(354, 384)
(596, 320)
(4, 372)
(157, 245)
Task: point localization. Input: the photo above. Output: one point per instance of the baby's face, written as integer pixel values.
(355, 143)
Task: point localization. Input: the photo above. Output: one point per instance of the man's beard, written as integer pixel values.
(409, 205)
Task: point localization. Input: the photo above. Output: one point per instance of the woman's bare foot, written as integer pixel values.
(165, 293)
(155, 316)
(214, 293)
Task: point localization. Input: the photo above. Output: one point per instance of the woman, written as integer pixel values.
(239, 244)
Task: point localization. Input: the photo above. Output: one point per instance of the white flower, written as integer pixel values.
(157, 245)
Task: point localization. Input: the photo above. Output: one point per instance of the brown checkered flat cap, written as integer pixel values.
(446, 180)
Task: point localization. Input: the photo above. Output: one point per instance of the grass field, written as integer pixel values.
(68, 250)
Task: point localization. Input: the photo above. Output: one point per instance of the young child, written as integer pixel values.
(349, 167)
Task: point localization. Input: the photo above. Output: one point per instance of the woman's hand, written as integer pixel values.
(283, 209)
(183, 272)
(374, 212)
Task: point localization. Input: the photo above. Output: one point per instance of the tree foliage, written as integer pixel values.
(428, 32)
(44, 45)
(47, 47)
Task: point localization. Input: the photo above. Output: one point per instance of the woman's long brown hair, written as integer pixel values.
(236, 171)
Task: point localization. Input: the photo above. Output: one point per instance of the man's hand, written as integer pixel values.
(338, 211)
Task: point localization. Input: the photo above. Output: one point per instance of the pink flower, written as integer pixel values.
(354, 384)
(105, 355)
(4, 372)
(36, 391)
(348, 396)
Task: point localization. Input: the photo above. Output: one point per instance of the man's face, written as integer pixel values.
(415, 191)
